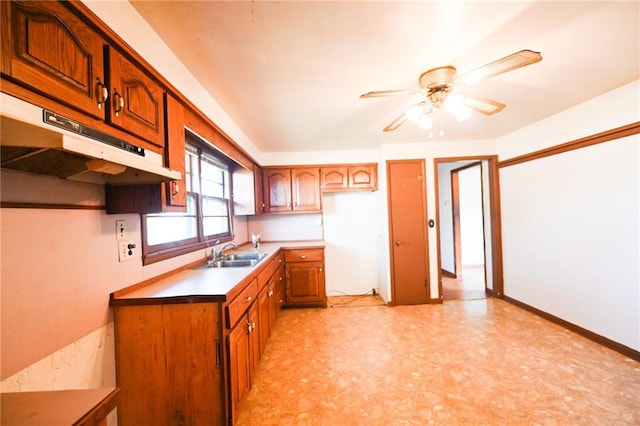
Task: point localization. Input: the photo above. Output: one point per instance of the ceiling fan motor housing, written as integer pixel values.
(438, 78)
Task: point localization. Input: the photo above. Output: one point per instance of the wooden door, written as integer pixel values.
(408, 232)
(304, 283)
(136, 101)
(277, 190)
(305, 185)
(175, 192)
(334, 178)
(239, 364)
(363, 176)
(48, 48)
(264, 315)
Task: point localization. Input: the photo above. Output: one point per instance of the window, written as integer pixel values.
(208, 216)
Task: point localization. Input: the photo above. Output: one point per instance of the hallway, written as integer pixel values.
(469, 286)
(473, 362)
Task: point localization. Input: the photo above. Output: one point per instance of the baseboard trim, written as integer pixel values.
(613, 345)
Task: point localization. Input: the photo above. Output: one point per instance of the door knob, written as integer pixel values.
(397, 242)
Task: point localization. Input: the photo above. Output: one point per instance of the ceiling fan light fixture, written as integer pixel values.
(414, 113)
(426, 122)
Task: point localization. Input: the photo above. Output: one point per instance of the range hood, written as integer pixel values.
(39, 141)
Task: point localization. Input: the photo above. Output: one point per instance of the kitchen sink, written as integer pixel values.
(244, 256)
(237, 260)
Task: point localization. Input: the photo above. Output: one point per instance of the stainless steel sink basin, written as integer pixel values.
(245, 256)
(237, 260)
(232, 263)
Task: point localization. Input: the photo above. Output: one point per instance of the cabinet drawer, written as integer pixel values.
(239, 305)
(304, 255)
(267, 273)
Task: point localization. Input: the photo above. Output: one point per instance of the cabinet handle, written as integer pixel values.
(249, 328)
(270, 293)
(303, 256)
(248, 299)
(103, 93)
(176, 189)
(320, 269)
(119, 102)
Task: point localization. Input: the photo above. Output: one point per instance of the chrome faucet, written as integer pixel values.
(216, 254)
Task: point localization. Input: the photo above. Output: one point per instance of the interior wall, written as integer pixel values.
(570, 222)
(570, 241)
(58, 267)
(350, 235)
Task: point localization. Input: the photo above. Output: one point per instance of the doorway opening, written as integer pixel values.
(467, 233)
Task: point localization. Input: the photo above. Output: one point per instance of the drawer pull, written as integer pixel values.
(248, 299)
(302, 256)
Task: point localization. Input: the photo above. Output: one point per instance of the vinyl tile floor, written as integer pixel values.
(479, 362)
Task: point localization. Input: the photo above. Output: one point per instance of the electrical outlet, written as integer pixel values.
(374, 291)
(125, 250)
(121, 230)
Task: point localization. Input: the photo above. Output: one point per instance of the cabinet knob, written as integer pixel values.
(248, 299)
(397, 242)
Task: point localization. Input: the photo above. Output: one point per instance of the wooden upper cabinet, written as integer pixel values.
(334, 178)
(349, 177)
(135, 101)
(175, 192)
(48, 49)
(277, 190)
(305, 184)
(289, 190)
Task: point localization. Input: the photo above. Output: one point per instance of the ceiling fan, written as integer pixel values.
(437, 85)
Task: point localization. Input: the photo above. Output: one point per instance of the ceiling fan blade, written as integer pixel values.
(483, 105)
(508, 63)
(390, 93)
(395, 123)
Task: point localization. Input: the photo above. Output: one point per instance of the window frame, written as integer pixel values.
(163, 251)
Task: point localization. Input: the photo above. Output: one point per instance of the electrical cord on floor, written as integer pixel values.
(354, 298)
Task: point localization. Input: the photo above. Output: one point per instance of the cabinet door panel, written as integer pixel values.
(175, 192)
(363, 177)
(239, 367)
(277, 190)
(306, 189)
(304, 282)
(47, 48)
(136, 101)
(334, 178)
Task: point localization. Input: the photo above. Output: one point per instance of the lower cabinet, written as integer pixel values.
(169, 364)
(193, 363)
(241, 347)
(304, 277)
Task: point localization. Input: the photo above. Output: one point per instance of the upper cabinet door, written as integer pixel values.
(277, 190)
(334, 178)
(176, 191)
(305, 184)
(135, 100)
(49, 49)
(363, 176)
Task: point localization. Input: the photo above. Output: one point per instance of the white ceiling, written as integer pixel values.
(290, 73)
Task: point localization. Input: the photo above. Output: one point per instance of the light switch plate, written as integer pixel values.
(121, 230)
